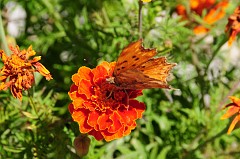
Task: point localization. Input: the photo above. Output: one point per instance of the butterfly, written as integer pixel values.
(137, 69)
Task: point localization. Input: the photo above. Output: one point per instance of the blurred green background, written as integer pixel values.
(181, 123)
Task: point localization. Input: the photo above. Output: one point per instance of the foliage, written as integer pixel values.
(179, 123)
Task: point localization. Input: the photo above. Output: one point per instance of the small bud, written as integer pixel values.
(81, 145)
(168, 44)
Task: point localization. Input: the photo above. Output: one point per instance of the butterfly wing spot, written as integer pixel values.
(122, 67)
(124, 62)
(134, 55)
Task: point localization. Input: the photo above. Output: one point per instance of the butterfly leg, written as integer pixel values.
(110, 94)
(127, 96)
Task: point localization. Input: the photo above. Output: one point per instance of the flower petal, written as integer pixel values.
(83, 73)
(42, 70)
(116, 123)
(139, 106)
(81, 116)
(128, 116)
(85, 88)
(234, 122)
(111, 136)
(99, 72)
(104, 122)
(98, 136)
(230, 112)
(235, 100)
(93, 118)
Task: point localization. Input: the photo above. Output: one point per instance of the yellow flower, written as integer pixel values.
(17, 72)
(146, 0)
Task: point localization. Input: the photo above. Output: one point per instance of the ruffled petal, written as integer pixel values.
(138, 106)
(93, 118)
(116, 123)
(98, 136)
(81, 116)
(99, 72)
(86, 88)
(104, 122)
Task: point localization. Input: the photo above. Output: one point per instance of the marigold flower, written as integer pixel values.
(17, 72)
(214, 13)
(234, 108)
(233, 25)
(100, 108)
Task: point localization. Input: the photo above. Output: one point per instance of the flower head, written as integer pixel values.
(17, 72)
(233, 26)
(146, 0)
(234, 109)
(214, 13)
(100, 108)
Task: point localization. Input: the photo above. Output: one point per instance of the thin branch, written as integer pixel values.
(140, 19)
(3, 37)
(232, 90)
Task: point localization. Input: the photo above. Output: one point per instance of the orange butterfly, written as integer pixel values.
(137, 69)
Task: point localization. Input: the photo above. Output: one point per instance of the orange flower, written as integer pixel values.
(214, 13)
(233, 26)
(17, 72)
(100, 108)
(234, 109)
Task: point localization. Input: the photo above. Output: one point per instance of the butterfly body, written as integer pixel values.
(137, 69)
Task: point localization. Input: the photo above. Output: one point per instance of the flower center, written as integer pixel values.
(108, 96)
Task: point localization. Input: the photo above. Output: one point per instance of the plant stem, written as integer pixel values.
(232, 90)
(220, 44)
(32, 103)
(3, 37)
(140, 19)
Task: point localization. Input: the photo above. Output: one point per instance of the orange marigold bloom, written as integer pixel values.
(234, 108)
(17, 72)
(100, 108)
(214, 13)
(233, 26)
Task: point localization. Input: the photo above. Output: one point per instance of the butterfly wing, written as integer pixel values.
(132, 57)
(151, 74)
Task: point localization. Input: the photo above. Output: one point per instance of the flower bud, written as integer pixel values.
(81, 145)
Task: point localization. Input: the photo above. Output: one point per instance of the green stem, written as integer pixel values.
(140, 19)
(220, 44)
(32, 103)
(3, 37)
(202, 145)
